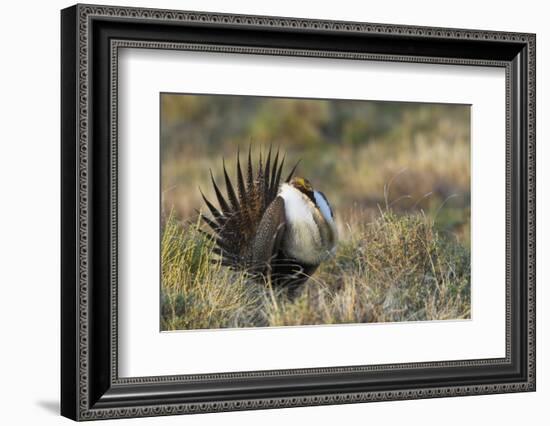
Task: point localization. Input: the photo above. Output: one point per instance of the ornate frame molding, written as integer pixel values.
(78, 24)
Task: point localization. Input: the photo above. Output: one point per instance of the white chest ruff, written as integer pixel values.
(303, 239)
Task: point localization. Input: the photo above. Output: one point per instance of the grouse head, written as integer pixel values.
(303, 185)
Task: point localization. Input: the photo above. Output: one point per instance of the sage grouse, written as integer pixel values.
(277, 232)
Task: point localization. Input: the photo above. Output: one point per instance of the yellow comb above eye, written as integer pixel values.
(302, 184)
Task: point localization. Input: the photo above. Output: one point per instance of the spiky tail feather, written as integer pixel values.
(235, 222)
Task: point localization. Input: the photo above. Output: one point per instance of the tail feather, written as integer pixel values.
(250, 177)
(268, 163)
(266, 181)
(273, 173)
(292, 172)
(215, 212)
(278, 177)
(240, 180)
(260, 174)
(230, 191)
(221, 200)
(213, 225)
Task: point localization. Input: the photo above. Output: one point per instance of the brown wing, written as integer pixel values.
(268, 256)
(269, 235)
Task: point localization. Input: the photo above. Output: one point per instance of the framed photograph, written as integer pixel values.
(263, 212)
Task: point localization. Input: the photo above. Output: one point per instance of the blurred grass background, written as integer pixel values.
(372, 159)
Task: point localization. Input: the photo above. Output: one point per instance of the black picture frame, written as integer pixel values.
(90, 386)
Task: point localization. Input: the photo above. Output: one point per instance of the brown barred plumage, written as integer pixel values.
(249, 224)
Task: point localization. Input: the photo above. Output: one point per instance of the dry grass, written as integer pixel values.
(393, 268)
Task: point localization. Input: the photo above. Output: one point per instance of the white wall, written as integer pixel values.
(29, 212)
